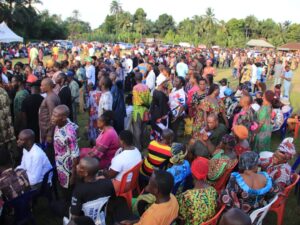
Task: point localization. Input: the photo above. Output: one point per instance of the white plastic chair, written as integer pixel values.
(96, 210)
(258, 215)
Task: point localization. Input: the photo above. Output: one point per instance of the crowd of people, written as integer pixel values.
(158, 108)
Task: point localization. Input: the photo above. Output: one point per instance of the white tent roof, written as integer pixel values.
(259, 43)
(7, 35)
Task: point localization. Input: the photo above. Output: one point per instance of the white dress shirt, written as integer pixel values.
(150, 80)
(91, 74)
(35, 163)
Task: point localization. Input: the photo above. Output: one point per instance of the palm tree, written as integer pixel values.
(115, 7)
(209, 23)
(251, 24)
(75, 14)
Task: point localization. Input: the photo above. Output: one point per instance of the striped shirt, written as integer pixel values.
(158, 154)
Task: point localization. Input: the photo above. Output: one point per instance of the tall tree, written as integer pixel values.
(115, 7)
(140, 20)
(209, 24)
(251, 26)
(164, 23)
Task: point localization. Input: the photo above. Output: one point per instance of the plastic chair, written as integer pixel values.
(297, 187)
(96, 210)
(222, 181)
(284, 125)
(279, 206)
(214, 220)
(133, 183)
(258, 215)
(22, 208)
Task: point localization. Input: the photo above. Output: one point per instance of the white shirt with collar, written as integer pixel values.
(35, 163)
(150, 80)
(91, 74)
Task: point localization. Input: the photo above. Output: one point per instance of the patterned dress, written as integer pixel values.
(210, 107)
(93, 103)
(198, 117)
(281, 174)
(262, 141)
(239, 195)
(66, 149)
(218, 164)
(197, 205)
(105, 103)
(6, 128)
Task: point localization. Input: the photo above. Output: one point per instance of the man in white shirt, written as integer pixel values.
(128, 64)
(34, 160)
(90, 71)
(177, 102)
(182, 68)
(151, 77)
(254, 73)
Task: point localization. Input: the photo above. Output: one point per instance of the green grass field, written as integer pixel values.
(44, 216)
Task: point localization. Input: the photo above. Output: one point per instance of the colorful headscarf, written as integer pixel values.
(178, 153)
(229, 140)
(248, 160)
(199, 168)
(287, 147)
(240, 131)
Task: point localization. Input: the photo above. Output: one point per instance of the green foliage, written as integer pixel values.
(121, 25)
(164, 23)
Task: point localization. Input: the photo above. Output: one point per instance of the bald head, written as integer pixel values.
(28, 133)
(90, 165)
(60, 115)
(26, 139)
(235, 216)
(47, 85)
(62, 110)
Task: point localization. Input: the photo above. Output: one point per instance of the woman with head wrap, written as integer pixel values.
(224, 158)
(262, 140)
(249, 189)
(277, 166)
(241, 135)
(199, 204)
(180, 168)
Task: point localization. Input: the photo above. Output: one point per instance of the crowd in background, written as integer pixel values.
(160, 107)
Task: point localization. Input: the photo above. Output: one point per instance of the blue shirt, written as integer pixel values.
(180, 171)
(289, 75)
(182, 69)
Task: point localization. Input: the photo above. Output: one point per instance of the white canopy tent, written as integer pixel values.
(7, 35)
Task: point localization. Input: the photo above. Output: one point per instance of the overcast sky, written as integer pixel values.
(94, 11)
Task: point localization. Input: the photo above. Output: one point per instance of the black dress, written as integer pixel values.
(66, 99)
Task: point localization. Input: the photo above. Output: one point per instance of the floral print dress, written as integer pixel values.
(66, 149)
(93, 103)
(197, 205)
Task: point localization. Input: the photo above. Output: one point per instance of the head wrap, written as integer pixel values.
(241, 131)
(178, 153)
(287, 147)
(88, 59)
(199, 168)
(248, 160)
